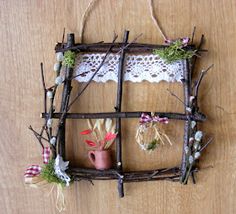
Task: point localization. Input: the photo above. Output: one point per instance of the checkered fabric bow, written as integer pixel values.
(32, 171)
(146, 118)
(46, 155)
(35, 170)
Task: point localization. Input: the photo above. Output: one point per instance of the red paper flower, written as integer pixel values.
(91, 143)
(109, 136)
(85, 132)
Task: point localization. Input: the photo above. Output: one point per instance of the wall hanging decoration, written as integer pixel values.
(126, 61)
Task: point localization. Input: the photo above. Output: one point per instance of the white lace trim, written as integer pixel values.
(137, 68)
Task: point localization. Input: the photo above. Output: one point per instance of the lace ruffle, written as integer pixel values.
(137, 68)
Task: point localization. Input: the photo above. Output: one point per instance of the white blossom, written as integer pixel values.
(191, 139)
(56, 66)
(198, 135)
(59, 56)
(53, 141)
(191, 99)
(186, 149)
(188, 109)
(58, 80)
(190, 159)
(50, 94)
(49, 123)
(196, 145)
(197, 155)
(193, 124)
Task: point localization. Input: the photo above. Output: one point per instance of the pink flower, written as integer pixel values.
(185, 41)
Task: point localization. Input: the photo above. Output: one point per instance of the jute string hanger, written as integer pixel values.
(91, 6)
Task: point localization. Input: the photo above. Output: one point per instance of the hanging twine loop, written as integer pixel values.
(85, 18)
(91, 5)
(155, 21)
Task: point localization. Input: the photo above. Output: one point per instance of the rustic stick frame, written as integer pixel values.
(177, 173)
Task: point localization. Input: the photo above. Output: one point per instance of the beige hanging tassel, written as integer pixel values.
(60, 201)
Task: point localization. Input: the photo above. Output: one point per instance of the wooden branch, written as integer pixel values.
(193, 177)
(38, 136)
(193, 34)
(198, 49)
(63, 37)
(197, 116)
(132, 176)
(54, 89)
(203, 73)
(174, 95)
(102, 47)
(60, 134)
(127, 179)
(45, 96)
(187, 127)
(51, 109)
(171, 174)
(109, 172)
(208, 142)
(126, 46)
(44, 88)
(118, 109)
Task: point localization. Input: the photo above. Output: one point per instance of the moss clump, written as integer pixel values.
(174, 52)
(69, 59)
(153, 145)
(48, 173)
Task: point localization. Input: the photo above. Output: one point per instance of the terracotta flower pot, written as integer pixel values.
(101, 159)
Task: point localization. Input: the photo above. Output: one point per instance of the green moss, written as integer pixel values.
(153, 145)
(69, 59)
(49, 175)
(174, 52)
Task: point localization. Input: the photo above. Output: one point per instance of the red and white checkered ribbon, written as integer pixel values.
(32, 171)
(46, 155)
(35, 170)
(146, 118)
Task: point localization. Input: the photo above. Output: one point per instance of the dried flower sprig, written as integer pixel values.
(103, 132)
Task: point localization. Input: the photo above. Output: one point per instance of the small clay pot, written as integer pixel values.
(101, 159)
